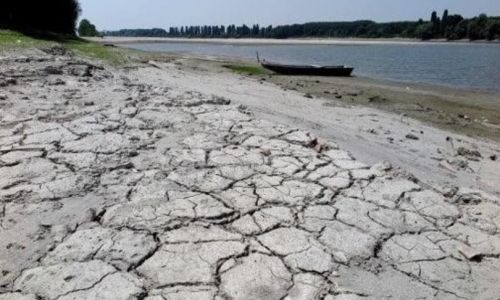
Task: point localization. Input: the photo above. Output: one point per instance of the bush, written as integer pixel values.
(58, 16)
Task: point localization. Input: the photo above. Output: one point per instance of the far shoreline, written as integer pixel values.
(294, 41)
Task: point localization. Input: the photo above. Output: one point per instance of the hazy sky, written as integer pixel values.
(116, 14)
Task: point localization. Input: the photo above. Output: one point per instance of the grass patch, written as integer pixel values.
(11, 40)
(93, 50)
(247, 69)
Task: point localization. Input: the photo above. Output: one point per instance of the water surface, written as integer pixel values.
(467, 65)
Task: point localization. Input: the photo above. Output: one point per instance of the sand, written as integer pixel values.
(368, 132)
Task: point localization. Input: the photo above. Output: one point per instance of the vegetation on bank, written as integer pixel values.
(246, 69)
(450, 27)
(58, 16)
(12, 40)
(45, 24)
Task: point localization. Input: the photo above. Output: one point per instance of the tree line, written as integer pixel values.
(450, 27)
(57, 16)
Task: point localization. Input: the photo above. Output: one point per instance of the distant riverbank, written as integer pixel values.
(304, 41)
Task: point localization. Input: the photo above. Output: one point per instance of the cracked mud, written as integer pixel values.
(112, 188)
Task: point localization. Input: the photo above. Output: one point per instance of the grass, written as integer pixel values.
(116, 56)
(12, 40)
(247, 69)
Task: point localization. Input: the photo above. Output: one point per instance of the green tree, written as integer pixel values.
(436, 24)
(493, 29)
(87, 29)
(425, 31)
(57, 16)
(444, 23)
(477, 28)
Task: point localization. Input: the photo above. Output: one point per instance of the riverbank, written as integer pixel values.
(173, 176)
(472, 113)
(375, 120)
(303, 41)
(462, 111)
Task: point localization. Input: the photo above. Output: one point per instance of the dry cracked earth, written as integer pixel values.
(111, 188)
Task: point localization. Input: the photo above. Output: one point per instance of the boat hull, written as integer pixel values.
(309, 70)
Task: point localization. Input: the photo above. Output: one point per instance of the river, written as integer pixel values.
(462, 65)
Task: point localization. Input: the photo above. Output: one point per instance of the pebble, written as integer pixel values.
(465, 117)
(57, 81)
(376, 99)
(462, 151)
(411, 136)
(3, 97)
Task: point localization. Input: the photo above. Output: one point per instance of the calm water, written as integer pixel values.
(470, 66)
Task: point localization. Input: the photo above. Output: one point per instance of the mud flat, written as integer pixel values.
(177, 179)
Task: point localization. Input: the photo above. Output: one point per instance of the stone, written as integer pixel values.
(411, 136)
(462, 151)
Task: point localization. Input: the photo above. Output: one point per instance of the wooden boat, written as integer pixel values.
(309, 70)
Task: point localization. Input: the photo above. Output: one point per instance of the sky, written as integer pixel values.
(118, 14)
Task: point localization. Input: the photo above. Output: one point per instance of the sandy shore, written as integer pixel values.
(173, 177)
(248, 41)
(371, 118)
